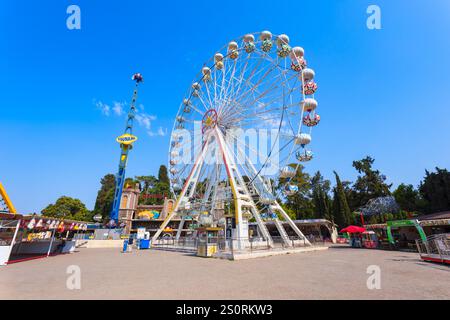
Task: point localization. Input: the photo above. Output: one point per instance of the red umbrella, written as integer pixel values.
(353, 229)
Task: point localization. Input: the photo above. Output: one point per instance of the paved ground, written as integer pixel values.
(337, 273)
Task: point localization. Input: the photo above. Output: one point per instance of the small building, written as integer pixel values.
(24, 237)
(402, 234)
(134, 215)
(435, 223)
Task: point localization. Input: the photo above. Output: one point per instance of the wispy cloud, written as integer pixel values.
(118, 108)
(143, 119)
(103, 107)
(159, 133)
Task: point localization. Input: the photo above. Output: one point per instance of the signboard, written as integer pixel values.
(126, 139)
(404, 223)
(401, 223)
(153, 196)
(140, 233)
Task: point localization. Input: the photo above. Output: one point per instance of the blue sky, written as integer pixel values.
(382, 93)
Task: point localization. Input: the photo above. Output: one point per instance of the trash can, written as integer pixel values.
(125, 245)
(143, 244)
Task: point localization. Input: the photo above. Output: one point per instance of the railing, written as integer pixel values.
(183, 243)
(231, 245)
(436, 246)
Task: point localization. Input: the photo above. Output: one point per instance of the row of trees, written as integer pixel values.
(342, 203)
(70, 208)
(316, 198)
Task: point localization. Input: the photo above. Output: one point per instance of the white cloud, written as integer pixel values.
(143, 119)
(161, 132)
(103, 107)
(118, 108)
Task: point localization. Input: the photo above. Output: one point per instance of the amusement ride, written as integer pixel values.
(126, 141)
(256, 86)
(6, 206)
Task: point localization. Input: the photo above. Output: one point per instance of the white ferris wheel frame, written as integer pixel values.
(241, 195)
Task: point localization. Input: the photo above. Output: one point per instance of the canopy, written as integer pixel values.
(353, 229)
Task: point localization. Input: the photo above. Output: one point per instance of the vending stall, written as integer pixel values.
(34, 236)
(9, 226)
(208, 241)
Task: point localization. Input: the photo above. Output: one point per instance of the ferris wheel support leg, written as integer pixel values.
(191, 182)
(261, 224)
(292, 224)
(180, 228)
(262, 228)
(240, 233)
(214, 195)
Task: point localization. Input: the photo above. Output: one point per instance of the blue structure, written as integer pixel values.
(126, 144)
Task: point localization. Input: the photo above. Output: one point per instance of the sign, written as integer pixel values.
(404, 223)
(153, 196)
(126, 139)
(140, 233)
(401, 223)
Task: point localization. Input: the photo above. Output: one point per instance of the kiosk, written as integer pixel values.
(208, 241)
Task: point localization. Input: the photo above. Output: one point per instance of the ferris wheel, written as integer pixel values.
(243, 128)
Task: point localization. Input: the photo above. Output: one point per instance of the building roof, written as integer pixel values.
(434, 216)
(10, 216)
(302, 222)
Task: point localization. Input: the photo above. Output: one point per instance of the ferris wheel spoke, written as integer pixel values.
(274, 86)
(230, 83)
(252, 74)
(198, 111)
(263, 109)
(255, 86)
(239, 82)
(265, 105)
(260, 80)
(211, 103)
(204, 103)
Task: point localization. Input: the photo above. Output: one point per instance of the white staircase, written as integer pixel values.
(282, 232)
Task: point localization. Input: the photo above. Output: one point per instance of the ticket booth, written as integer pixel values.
(208, 241)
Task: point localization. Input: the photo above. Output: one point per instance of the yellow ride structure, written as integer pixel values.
(6, 201)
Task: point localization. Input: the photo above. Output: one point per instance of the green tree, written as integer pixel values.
(131, 183)
(408, 198)
(68, 208)
(155, 186)
(341, 211)
(320, 197)
(146, 182)
(105, 196)
(369, 184)
(435, 189)
(300, 204)
(163, 176)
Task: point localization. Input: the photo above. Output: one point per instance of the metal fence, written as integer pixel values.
(182, 244)
(436, 246)
(230, 244)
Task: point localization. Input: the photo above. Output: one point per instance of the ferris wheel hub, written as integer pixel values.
(209, 120)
